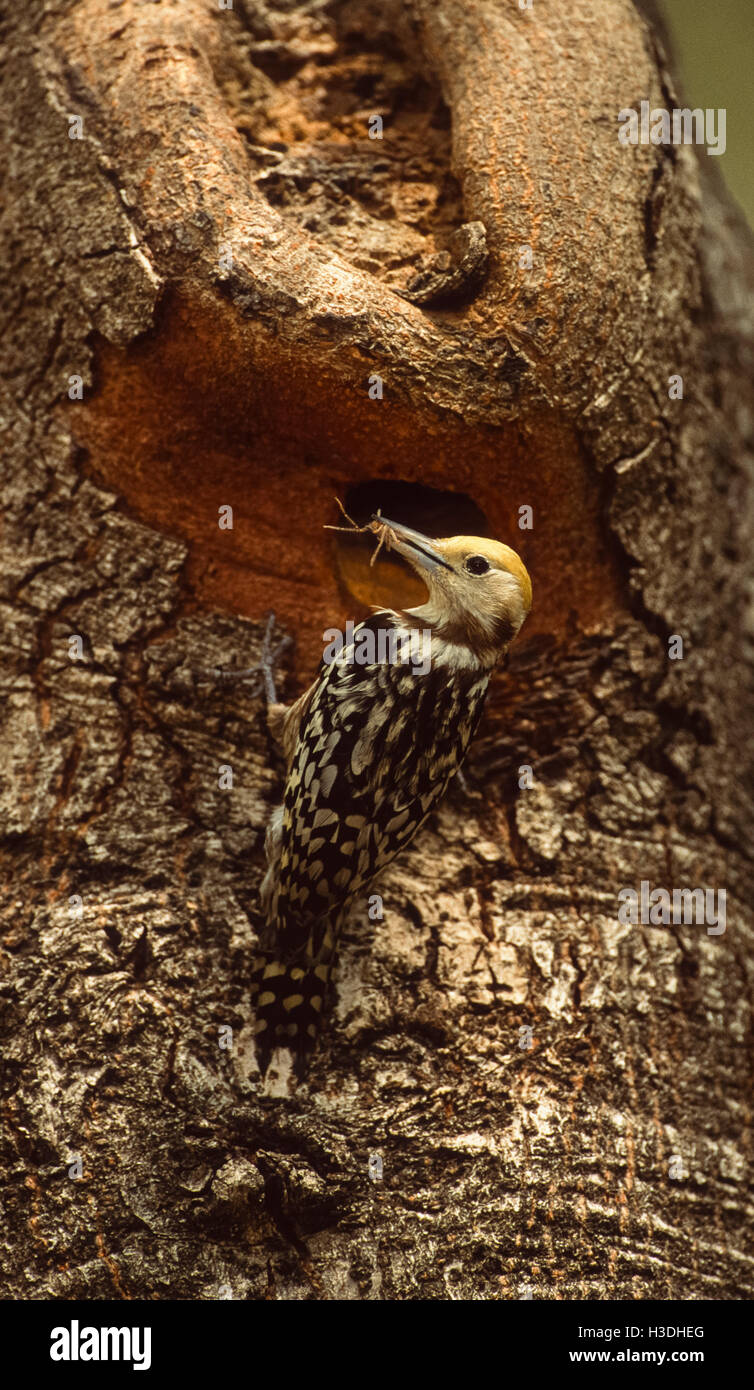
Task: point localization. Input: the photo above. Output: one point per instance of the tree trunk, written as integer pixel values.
(219, 258)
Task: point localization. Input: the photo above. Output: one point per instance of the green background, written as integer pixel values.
(713, 44)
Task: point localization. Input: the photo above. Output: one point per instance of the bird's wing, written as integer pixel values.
(284, 722)
(376, 747)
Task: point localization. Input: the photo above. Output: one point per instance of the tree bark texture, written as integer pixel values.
(611, 1157)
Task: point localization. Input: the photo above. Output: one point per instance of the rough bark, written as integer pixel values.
(505, 1168)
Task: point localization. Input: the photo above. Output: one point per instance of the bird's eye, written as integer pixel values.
(476, 564)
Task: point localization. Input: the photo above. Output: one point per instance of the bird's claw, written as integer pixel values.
(263, 670)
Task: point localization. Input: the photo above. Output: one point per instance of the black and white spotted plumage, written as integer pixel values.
(376, 748)
(371, 747)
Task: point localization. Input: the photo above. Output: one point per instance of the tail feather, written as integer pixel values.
(289, 1000)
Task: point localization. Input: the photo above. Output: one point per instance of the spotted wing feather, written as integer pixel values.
(377, 746)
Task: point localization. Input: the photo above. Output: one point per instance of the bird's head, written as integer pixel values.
(479, 590)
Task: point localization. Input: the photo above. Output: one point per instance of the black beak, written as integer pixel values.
(418, 549)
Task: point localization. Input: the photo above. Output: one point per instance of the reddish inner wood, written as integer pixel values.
(195, 417)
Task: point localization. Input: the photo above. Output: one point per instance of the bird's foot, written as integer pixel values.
(263, 671)
(269, 656)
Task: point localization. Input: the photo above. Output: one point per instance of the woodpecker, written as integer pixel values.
(369, 748)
